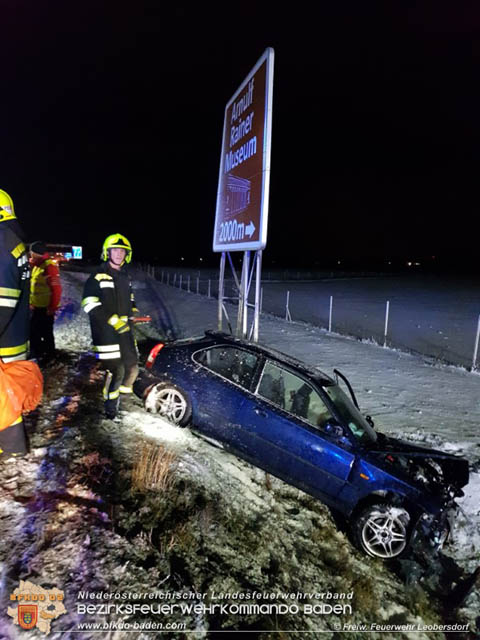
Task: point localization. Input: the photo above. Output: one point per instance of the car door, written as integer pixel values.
(221, 379)
(282, 432)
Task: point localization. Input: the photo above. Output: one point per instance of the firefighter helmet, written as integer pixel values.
(117, 241)
(7, 212)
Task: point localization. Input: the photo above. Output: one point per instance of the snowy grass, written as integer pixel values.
(153, 468)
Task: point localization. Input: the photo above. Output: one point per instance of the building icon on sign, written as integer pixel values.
(237, 197)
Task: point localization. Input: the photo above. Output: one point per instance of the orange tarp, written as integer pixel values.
(21, 388)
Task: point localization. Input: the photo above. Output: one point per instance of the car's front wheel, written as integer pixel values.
(169, 401)
(382, 530)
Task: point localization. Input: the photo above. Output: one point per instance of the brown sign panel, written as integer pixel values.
(243, 186)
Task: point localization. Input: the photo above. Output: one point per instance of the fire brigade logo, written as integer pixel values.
(37, 607)
(27, 615)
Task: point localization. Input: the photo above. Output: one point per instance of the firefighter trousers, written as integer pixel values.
(121, 373)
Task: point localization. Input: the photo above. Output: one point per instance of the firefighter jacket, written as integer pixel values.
(108, 299)
(14, 292)
(45, 286)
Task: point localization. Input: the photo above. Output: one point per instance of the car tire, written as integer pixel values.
(169, 401)
(382, 530)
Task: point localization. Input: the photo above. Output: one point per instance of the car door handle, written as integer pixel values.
(260, 412)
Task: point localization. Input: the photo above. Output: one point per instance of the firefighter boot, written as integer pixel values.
(111, 408)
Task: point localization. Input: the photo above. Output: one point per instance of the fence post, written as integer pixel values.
(475, 351)
(330, 315)
(288, 316)
(174, 279)
(198, 285)
(209, 290)
(180, 281)
(188, 284)
(168, 279)
(387, 312)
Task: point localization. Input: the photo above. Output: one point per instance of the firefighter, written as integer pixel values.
(14, 311)
(108, 299)
(45, 294)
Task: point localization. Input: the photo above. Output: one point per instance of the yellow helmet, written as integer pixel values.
(7, 212)
(117, 241)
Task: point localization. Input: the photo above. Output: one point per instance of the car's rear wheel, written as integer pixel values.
(169, 401)
(382, 530)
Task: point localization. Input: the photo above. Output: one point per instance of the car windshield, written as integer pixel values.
(349, 414)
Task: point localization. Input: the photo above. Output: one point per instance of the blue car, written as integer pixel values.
(297, 423)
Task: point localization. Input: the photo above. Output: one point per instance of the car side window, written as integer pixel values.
(292, 393)
(232, 363)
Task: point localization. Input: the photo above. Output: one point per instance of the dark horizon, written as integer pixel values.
(115, 113)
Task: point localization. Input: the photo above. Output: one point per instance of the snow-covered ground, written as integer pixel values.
(405, 394)
(431, 315)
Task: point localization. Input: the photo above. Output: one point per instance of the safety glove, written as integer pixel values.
(120, 326)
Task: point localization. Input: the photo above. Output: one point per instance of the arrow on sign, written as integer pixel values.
(250, 229)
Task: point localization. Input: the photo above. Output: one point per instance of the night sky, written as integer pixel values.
(112, 116)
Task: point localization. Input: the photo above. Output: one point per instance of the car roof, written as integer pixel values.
(319, 376)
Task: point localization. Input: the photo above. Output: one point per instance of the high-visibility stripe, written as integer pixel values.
(8, 302)
(112, 395)
(13, 351)
(102, 348)
(19, 419)
(103, 276)
(13, 293)
(19, 249)
(108, 356)
(23, 260)
(106, 386)
(88, 307)
(124, 318)
(89, 299)
(21, 356)
(107, 285)
(113, 320)
(123, 389)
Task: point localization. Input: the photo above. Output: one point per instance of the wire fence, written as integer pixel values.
(416, 318)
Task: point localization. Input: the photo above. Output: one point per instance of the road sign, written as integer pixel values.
(77, 252)
(243, 185)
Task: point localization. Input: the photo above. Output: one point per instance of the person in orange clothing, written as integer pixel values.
(45, 294)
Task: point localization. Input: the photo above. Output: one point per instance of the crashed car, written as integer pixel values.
(298, 423)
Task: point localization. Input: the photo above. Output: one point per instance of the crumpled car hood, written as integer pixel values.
(430, 465)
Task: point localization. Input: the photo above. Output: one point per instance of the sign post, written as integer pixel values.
(241, 217)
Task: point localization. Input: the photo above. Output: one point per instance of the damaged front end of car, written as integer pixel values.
(439, 477)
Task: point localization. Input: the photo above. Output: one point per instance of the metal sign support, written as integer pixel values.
(242, 286)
